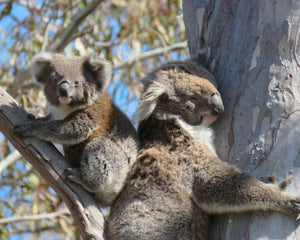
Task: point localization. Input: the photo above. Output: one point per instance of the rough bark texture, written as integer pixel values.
(253, 49)
(47, 160)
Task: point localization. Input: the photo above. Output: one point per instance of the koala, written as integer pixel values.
(98, 140)
(178, 179)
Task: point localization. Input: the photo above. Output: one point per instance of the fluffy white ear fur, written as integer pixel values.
(43, 57)
(39, 61)
(102, 67)
(149, 100)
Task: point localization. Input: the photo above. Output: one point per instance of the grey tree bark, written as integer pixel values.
(253, 49)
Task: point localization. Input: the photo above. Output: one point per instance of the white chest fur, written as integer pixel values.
(60, 112)
(202, 133)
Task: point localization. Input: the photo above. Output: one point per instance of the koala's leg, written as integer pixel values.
(72, 130)
(235, 191)
(103, 169)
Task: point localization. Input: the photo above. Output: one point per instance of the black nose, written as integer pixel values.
(63, 89)
(217, 106)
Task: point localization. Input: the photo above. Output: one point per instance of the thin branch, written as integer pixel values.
(106, 44)
(49, 162)
(66, 37)
(37, 217)
(10, 159)
(22, 76)
(150, 54)
(35, 229)
(46, 36)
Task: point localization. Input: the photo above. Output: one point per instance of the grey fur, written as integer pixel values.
(98, 139)
(178, 179)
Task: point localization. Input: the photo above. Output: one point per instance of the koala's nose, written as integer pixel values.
(63, 89)
(216, 104)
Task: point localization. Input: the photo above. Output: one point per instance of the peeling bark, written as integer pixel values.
(253, 49)
(48, 161)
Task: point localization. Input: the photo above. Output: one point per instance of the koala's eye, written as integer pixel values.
(54, 78)
(195, 98)
(76, 83)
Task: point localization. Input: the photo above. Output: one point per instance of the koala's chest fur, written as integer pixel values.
(176, 155)
(60, 112)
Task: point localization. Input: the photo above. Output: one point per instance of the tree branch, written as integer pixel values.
(10, 159)
(35, 229)
(150, 54)
(48, 161)
(36, 217)
(22, 76)
(65, 38)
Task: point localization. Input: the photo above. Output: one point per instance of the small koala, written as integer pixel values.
(178, 179)
(97, 138)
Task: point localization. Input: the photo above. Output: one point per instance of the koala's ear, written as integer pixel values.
(149, 99)
(101, 69)
(41, 66)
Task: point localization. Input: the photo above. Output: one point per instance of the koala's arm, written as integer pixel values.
(229, 190)
(74, 129)
(33, 118)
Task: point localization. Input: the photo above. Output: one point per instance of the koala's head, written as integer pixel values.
(181, 89)
(73, 81)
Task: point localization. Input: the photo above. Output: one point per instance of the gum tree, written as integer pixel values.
(253, 49)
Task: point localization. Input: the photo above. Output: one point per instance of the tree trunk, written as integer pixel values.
(253, 49)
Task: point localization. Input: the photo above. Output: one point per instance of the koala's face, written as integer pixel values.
(174, 92)
(73, 81)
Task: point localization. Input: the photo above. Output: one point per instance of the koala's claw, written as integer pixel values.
(296, 203)
(283, 184)
(68, 170)
(272, 178)
(72, 174)
(294, 207)
(31, 117)
(25, 130)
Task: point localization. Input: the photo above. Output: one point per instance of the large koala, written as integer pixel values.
(178, 178)
(98, 139)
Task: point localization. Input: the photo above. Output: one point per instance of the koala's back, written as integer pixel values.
(156, 214)
(155, 204)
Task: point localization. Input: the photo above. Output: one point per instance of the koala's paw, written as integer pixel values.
(25, 130)
(73, 175)
(283, 184)
(292, 207)
(31, 117)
